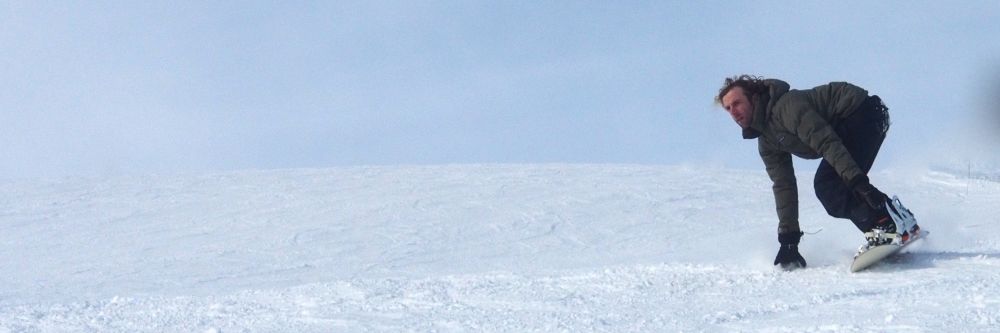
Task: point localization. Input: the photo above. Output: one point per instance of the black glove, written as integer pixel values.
(868, 193)
(788, 254)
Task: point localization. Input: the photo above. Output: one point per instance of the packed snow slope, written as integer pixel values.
(550, 248)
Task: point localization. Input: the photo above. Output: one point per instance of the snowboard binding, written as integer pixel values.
(905, 227)
(906, 223)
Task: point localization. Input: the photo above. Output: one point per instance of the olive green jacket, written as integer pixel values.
(801, 123)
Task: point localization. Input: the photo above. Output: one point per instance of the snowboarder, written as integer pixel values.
(838, 122)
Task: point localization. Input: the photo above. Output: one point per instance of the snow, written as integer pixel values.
(471, 248)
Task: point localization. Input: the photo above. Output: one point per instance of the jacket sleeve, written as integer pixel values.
(816, 132)
(786, 193)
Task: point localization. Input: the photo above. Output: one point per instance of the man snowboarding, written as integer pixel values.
(838, 122)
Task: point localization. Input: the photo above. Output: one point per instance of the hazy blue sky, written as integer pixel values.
(96, 88)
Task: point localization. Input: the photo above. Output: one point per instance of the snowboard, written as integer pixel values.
(874, 255)
(905, 221)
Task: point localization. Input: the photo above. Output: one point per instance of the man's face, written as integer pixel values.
(736, 103)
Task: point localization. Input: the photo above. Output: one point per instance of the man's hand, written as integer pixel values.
(788, 254)
(869, 194)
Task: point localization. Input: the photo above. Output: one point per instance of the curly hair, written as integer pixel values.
(751, 85)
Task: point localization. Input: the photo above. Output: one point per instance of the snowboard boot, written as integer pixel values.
(883, 232)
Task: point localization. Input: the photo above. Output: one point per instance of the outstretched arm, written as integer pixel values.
(786, 194)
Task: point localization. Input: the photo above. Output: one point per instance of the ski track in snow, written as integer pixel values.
(561, 248)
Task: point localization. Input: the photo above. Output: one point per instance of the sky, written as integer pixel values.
(134, 87)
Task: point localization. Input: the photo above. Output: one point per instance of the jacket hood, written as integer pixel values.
(762, 104)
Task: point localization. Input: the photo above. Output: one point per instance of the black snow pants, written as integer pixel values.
(862, 134)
